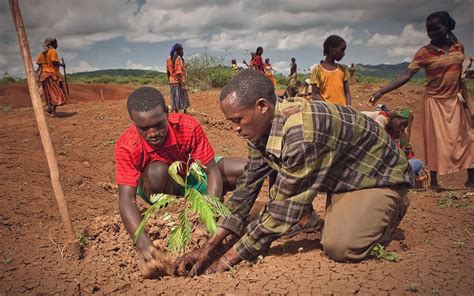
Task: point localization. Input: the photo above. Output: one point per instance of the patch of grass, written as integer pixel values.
(84, 240)
(459, 244)
(452, 200)
(7, 260)
(7, 108)
(413, 287)
(379, 252)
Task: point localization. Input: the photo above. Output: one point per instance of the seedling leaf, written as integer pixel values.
(201, 207)
(196, 170)
(181, 234)
(217, 206)
(161, 200)
(174, 169)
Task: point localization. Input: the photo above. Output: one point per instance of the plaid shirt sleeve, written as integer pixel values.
(292, 194)
(248, 187)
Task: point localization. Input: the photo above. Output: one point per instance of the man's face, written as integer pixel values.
(151, 125)
(252, 123)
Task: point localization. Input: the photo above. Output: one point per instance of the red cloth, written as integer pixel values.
(258, 64)
(185, 137)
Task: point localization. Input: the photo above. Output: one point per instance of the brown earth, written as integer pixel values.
(434, 244)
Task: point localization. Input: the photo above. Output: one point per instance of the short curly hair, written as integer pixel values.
(331, 42)
(249, 86)
(144, 99)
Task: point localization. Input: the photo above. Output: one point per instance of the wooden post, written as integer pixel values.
(41, 120)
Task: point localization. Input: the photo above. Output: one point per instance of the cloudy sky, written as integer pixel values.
(138, 34)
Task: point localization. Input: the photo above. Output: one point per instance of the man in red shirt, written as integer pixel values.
(144, 152)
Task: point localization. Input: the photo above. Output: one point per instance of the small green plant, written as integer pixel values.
(379, 252)
(84, 240)
(452, 200)
(207, 206)
(413, 287)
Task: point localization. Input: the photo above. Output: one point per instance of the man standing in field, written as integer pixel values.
(352, 74)
(306, 147)
(293, 72)
(142, 156)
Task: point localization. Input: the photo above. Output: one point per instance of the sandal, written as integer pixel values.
(314, 224)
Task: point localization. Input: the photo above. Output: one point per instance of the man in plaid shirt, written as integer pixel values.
(307, 147)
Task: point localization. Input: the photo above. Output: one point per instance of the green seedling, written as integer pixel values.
(379, 252)
(206, 206)
(84, 240)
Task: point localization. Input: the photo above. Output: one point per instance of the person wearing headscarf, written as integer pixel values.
(176, 70)
(269, 71)
(447, 144)
(52, 88)
(397, 124)
(257, 61)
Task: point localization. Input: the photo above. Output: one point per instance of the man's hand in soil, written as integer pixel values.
(153, 263)
(197, 261)
(225, 263)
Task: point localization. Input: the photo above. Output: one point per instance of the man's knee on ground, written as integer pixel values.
(345, 250)
(155, 177)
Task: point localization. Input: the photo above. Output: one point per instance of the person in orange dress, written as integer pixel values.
(269, 71)
(176, 70)
(51, 82)
(446, 128)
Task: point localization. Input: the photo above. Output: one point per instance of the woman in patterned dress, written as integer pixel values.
(447, 143)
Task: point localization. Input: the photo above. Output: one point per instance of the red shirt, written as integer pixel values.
(185, 137)
(258, 63)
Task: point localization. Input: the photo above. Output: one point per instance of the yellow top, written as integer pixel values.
(45, 61)
(331, 83)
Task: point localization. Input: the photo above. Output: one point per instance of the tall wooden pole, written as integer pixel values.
(41, 120)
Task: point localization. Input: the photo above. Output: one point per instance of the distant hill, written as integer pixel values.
(379, 71)
(120, 76)
(384, 70)
(119, 72)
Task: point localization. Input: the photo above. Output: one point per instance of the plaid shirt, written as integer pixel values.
(313, 146)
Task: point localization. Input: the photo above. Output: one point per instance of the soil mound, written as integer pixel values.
(18, 95)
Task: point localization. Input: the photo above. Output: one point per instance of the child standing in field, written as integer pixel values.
(330, 80)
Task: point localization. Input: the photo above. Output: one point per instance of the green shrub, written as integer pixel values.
(205, 71)
(8, 79)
